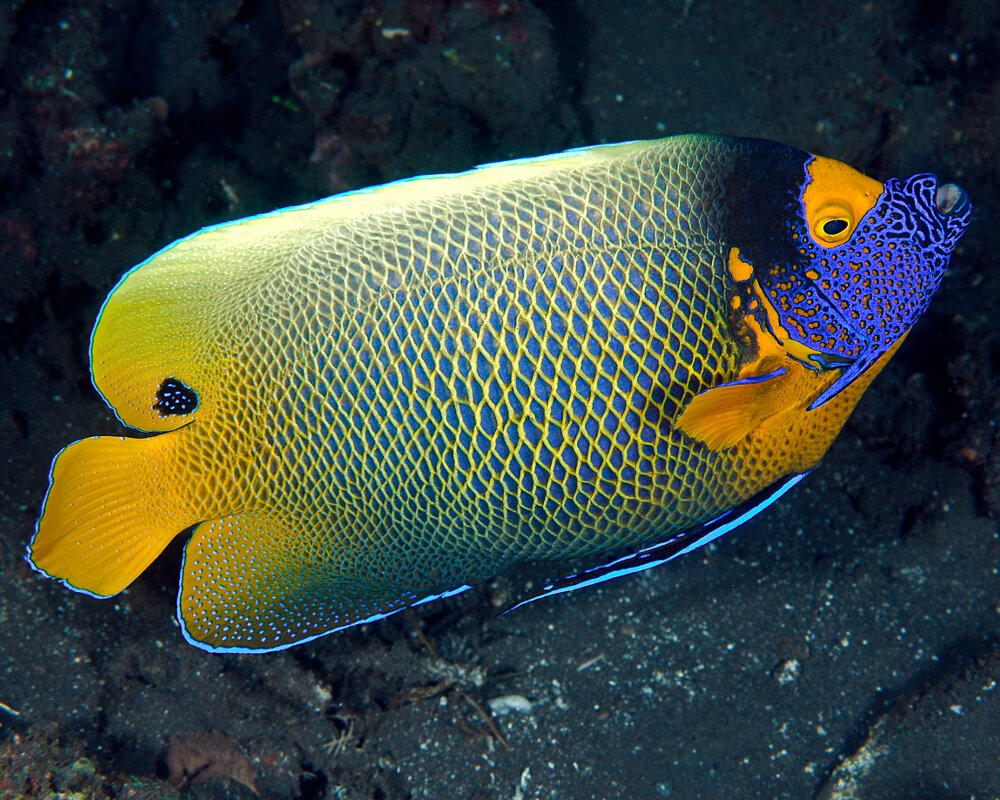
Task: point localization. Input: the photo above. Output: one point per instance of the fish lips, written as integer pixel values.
(951, 199)
(935, 214)
(954, 207)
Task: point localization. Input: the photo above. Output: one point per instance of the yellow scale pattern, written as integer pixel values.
(443, 389)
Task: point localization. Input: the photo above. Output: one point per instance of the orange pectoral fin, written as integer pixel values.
(725, 415)
(109, 512)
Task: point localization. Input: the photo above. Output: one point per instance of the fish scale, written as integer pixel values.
(572, 467)
(376, 400)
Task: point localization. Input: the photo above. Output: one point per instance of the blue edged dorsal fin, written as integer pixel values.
(667, 550)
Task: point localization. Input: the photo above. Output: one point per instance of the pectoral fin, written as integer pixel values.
(725, 415)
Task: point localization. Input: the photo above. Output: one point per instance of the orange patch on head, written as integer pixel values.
(740, 270)
(836, 199)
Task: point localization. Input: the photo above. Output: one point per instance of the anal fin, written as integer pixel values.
(254, 583)
(668, 549)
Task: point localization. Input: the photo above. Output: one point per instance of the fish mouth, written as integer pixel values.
(949, 198)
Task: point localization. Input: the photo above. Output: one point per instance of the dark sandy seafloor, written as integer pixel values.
(846, 644)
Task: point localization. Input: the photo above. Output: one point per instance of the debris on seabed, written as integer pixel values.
(844, 783)
(522, 785)
(590, 662)
(510, 703)
(231, 197)
(787, 671)
(395, 33)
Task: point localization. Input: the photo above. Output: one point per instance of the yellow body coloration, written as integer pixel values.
(381, 397)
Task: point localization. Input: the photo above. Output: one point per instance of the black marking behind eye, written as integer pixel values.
(174, 398)
(834, 226)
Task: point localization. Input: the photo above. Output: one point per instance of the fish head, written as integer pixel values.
(851, 267)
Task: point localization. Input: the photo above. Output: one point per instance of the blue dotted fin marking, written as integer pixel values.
(175, 398)
(667, 550)
(251, 584)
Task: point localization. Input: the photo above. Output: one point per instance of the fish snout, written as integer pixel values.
(932, 215)
(950, 199)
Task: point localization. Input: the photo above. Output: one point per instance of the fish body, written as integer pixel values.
(381, 398)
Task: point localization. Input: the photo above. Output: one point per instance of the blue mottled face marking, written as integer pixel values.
(880, 280)
(853, 265)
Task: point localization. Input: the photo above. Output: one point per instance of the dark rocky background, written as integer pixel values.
(847, 644)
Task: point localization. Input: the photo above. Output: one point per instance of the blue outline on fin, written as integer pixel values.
(237, 649)
(28, 556)
(777, 372)
(851, 374)
(662, 552)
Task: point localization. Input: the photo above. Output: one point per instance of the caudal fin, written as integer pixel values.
(111, 509)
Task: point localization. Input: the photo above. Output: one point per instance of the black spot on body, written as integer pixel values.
(175, 398)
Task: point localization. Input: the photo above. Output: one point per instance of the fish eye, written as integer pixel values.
(835, 200)
(834, 224)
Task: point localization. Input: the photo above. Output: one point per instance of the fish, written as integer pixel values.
(379, 399)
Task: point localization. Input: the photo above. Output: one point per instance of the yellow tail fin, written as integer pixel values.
(111, 508)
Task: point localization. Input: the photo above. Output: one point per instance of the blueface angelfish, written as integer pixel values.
(377, 399)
